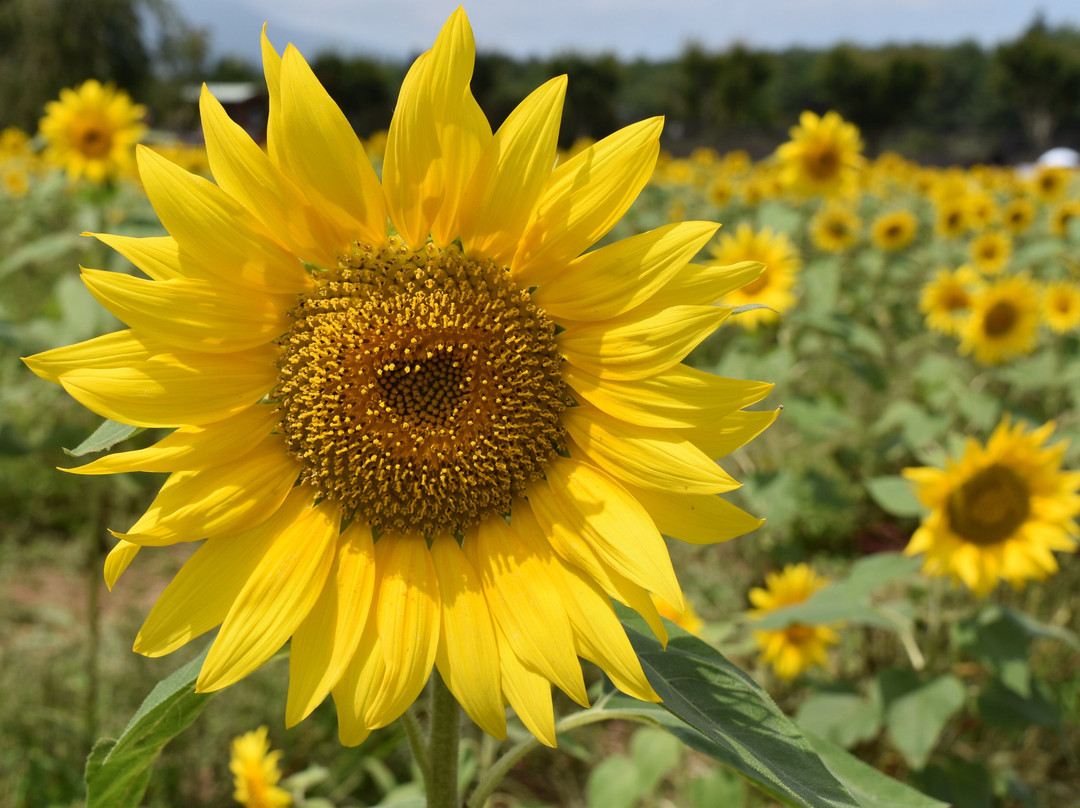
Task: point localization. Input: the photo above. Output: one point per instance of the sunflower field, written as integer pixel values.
(434, 465)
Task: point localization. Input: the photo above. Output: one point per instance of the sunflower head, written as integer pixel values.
(998, 512)
(774, 287)
(255, 772)
(835, 228)
(91, 131)
(1018, 215)
(797, 647)
(823, 157)
(1063, 216)
(990, 251)
(1004, 321)
(1061, 306)
(894, 231)
(1051, 183)
(951, 219)
(946, 300)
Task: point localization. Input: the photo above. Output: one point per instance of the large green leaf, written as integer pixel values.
(846, 599)
(916, 711)
(893, 493)
(723, 713)
(844, 719)
(118, 771)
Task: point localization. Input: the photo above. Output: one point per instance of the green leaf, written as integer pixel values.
(893, 493)
(720, 787)
(962, 783)
(49, 248)
(916, 712)
(104, 437)
(723, 713)
(871, 788)
(846, 599)
(655, 753)
(1000, 642)
(844, 719)
(117, 772)
(613, 783)
(1003, 707)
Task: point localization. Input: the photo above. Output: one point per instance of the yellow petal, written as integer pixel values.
(216, 230)
(320, 151)
(600, 637)
(679, 397)
(280, 591)
(357, 687)
(115, 350)
(547, 514)
(527, 692)
(611, 280)
(702, 285)
(468, 653)
(736, 429)
(435, 138)
(407, 593)
(326, 641)
(193, 505)
(620, 531)
(511, 174)
(650, 458)
(118, 559)
(526, 602)
(585, 197)
(248, 175)
(194, 315)
(157, 256)
(693, 518)
(193, 448)
(170, 388)
(627, 348)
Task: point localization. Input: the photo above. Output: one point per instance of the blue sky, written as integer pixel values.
(396, 29)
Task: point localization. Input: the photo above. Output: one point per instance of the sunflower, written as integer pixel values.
(1051, 183)
(92, 130)
(1004, 321)
(999, 512)
(1061, 306)
(1062, 217)
(447, 447)
(1018, 215)
(946, 300)
(835, 228)
(951, 219)
(255, 772)
(774, 286)
(894, 231)
(687, 619)
(797, 647)
(823, 157)
(990, 251)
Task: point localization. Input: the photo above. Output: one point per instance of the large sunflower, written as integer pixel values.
(446, 447)
(797, 647)
(823, 157)
(774, 287)
(92, 130)
(1004, 321)
(999, 512)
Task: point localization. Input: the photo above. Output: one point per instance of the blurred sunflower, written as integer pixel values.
(990, 251)
(1062, 217)
(1004, 321)
(835, 228)
(982, 210)
(796, 647)
(823, 157)
(1018, 215)
(999, 512)
(774, 287)
(447, 447)
(1051, 183)
(255, 772)
(92, 130)
(894, 231)
(951, 219)
(946, 300)
(1061, 306)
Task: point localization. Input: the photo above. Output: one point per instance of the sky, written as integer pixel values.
(654, 29)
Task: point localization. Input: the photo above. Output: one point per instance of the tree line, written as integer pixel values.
(958, 103)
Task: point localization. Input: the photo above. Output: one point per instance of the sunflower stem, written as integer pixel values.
(442, 785)
(417, 743)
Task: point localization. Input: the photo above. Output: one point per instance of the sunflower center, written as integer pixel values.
(94, 141)
(420, 390)
(799, 634)
(823, 162)
(1000, 319)
(955, 298)
(758, 284)
(989, 507)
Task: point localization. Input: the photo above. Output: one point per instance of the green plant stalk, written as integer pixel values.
(442, 785)
(417, 743)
